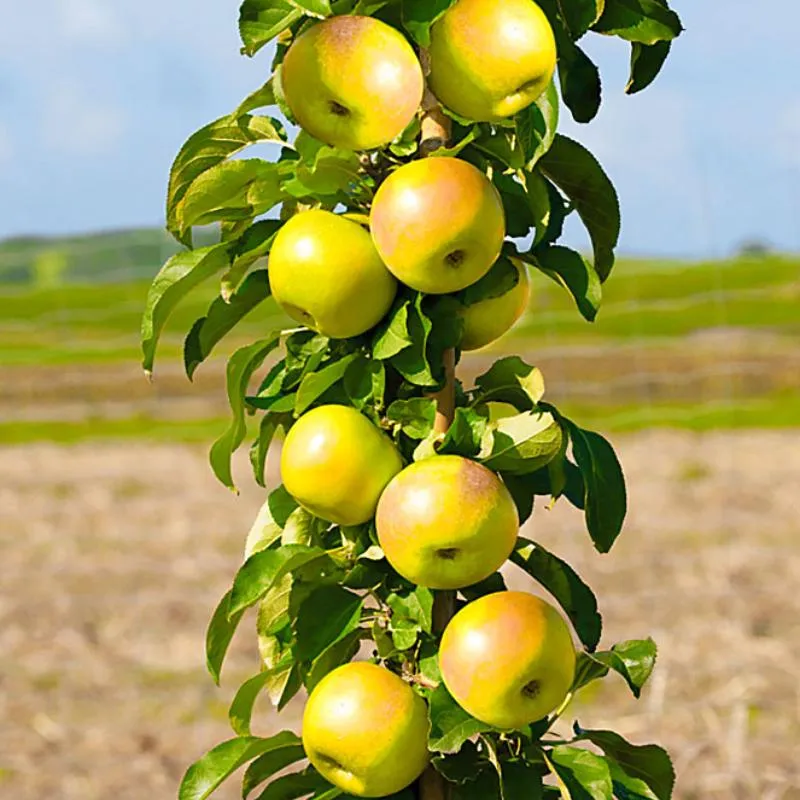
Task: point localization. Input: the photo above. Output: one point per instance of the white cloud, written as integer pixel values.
(91, 21)
(80, 125)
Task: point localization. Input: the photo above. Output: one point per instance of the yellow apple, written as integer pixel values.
(487, 320)
(446, 522)
(491, 58)
(366, 730)
(438, 224)
(508, 659)
(352, 82)
(325, 272)
(336, 463)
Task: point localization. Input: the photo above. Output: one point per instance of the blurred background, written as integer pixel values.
(116, 542)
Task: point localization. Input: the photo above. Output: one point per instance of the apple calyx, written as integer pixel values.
(531, 689)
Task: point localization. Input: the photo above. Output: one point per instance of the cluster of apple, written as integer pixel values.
(436, 225)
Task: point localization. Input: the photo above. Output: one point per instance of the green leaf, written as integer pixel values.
(580, 81)
(413, 362)
(646, 63)
(605, 496)
(314, 8)
(281, 505)
(500, 279)
(537, 195)
(365, 383)
(240, 712)
(269, 427)
(414, 417)
(579, 175)
(536, 126)
(260, 21)
(220, 632)
(575, 16)
(516, 205)
(315, 384)
(522, 491)
(323, 170)
(302, 527)
(521, 780)
(326, 616)
(261, 98)
(451, 726)
(416, 605)
(263, 533)
(494, 583)
(572, 594)
(221, 318)
(392, 335)
(263, 570)
(419, 16)
(295, 786)
(522, 443)
(643, 21)
(466, 434)
(500, 145)
(513, 381)
(230, 190)
(266, 765)
(571, 270)
(335, 655)
(205, 775)
(273, 610)
(584, 775)
(210, 146)
(648, 763)
(180, 275)
(241, 366)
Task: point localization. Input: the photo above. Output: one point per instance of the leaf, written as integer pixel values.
(241, 366)
(221, 318)
(511, 380)
(584, 775)
(335, 655)
(420, 15)
(281, 505)
(264, 532)
(266, 765)
(326, 616)
(269, 427)
(579, 175)
(451, 726)
(605, 496)
(500, 279)
(260, 21)
(180, 275)
(392, 335)
(414, 417)
(516, 205)
(365, 383)
(574, 16)
(210, 146)
(634, 660)
(522, 492)
(262, 97)
(522, 443)
(580, 81)
(571, 270)
(572, 594)
(301, 527)
(646, 63)
(263, 570)
(413, 362)
(643, 21)
(205, 775)
(315, 384)
(494, 583)
(537, 195)
(295, 786)
(314, 8)
(416, 606)
(536, 126)
(230, 190)
(240, 712)
(220, 632)
(465, 435)
(647, 763)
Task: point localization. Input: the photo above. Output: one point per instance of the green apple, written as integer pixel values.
(336, 464)
(508, 659)
(438, 224)
(491, 58)
(446, 522)
(487, 320)
(366, 730)
(325, 272)
(352, 82)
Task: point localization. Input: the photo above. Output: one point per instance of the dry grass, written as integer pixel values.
(114, 555)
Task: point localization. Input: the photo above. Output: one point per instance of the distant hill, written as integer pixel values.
(108, 257)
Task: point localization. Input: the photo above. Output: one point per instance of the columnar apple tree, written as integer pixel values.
(417, 197)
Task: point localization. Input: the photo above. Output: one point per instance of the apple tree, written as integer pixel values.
(418, 193)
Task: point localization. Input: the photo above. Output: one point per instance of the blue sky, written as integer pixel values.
(96, 96)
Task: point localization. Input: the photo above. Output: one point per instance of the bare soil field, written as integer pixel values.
(114, 555)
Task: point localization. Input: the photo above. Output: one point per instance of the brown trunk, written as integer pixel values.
(436, 133)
